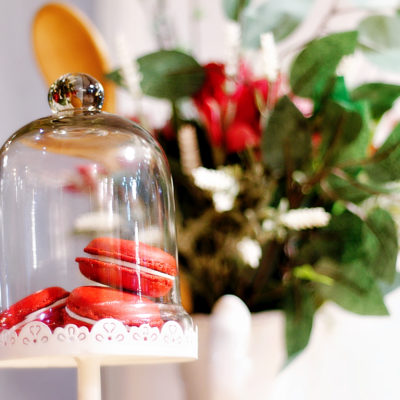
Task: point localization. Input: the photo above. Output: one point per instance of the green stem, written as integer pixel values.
(325, 168)
(377, 157)
(175, 119)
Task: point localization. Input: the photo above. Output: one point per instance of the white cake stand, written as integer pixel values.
(109, 342)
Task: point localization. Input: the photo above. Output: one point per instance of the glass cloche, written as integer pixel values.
(88, 258)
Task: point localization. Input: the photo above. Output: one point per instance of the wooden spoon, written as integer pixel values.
(65, 40)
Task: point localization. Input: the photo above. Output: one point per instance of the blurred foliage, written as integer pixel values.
(322, 158)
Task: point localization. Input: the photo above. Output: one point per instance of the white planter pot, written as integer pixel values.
(260, 365)
(349, 357)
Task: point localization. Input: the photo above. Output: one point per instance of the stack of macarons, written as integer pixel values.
(130, 273)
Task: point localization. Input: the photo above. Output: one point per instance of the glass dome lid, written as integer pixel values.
(87, 238)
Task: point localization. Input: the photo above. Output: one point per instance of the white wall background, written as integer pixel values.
(23, 94)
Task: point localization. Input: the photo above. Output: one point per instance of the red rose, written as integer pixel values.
(210, 102)
(214, 84)
(246, 107)
(240, 135)
(232, 119)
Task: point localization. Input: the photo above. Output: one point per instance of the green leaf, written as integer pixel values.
(345, 231)
(344, 124)
(170, 74)
(166, 74)
(116, 77)
(387, 165)
(317, 62)
(234, 8)
(379, 37)
(379, 96)
(372, 242)
(299, 312)
(340, 93)
(350, 185)
(354, 289)
(279, 17)
(286, 140)
(381, 245)
(357, 149)
(340, 126)
(368, 302)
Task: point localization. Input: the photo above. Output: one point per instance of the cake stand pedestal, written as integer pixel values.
(89, 379)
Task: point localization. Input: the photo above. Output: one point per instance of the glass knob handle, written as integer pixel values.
(76, 91)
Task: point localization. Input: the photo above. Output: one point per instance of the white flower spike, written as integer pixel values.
(233, 36)
(305, 218)
(269, 56)
(130, 71)
(101, 221)
(221, 184)
(250, 252)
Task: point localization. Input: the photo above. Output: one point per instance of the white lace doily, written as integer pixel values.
(109, 340)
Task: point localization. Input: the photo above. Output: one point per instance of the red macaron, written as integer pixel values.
(129, 265)
(88, 304)
(46, 306)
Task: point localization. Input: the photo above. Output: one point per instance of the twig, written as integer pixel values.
(265, 269)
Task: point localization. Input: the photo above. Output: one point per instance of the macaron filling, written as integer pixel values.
(79, 317)
(34, 316)
(128, 264)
